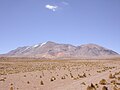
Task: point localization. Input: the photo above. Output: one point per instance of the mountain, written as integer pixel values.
(55, 50)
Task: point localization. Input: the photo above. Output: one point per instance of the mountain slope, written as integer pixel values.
(94, 50)
(55, 50)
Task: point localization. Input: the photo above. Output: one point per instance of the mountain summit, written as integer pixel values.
(54, 50)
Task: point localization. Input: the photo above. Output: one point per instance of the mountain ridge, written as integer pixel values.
(55, 50)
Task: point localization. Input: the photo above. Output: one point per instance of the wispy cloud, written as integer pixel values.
(51, 7)
(65, 3)
(57, 6)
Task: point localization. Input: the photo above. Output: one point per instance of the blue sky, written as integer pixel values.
(28, 22)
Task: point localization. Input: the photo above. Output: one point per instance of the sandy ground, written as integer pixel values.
(60, 75)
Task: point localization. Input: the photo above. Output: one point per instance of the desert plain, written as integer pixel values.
(68, 74)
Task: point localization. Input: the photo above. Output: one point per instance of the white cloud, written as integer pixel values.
(51, 7)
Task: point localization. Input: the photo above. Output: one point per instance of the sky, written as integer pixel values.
(29, 22)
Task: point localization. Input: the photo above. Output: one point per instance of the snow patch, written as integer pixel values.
(26, 49)
(36, 45)
(43, 44)
(39, 45)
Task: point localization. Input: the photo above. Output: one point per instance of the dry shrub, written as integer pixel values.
(99, 71)
(111, 76)
(66, 75)
(75, 78)
(103, 82)
(117, 83)
(116, 88)
(118, 78)
(84, 75)
(2, 80)
(63, 77)
(40, 76)
(11, 84)
(83, 83)
(113, 82)
(104, 88)
(41, 83)
(28, 82)
(81, 76)
(97, 85)
(117, 73)
(52, 78)
(5, 78)
(24, 75)
(11, 88)
(71, 75)
(92, 87)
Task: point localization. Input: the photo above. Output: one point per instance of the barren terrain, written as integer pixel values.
(38, 74)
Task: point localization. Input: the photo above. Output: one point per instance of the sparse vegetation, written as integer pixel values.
(104, 88)
(112, 76)
(40, 76)
(103, 82)
(113, 82)
(24, 75)
(118, 78)
(97, 86)
(63, 77)
(11, 84)
(41, 83)
(2, 79)
(92, 87)
(11, 88)
(116, 88)
(83, 83)
(28, 82)
(56, 71)
(52, 78)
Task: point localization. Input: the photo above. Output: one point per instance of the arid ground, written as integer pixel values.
(37, 74)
